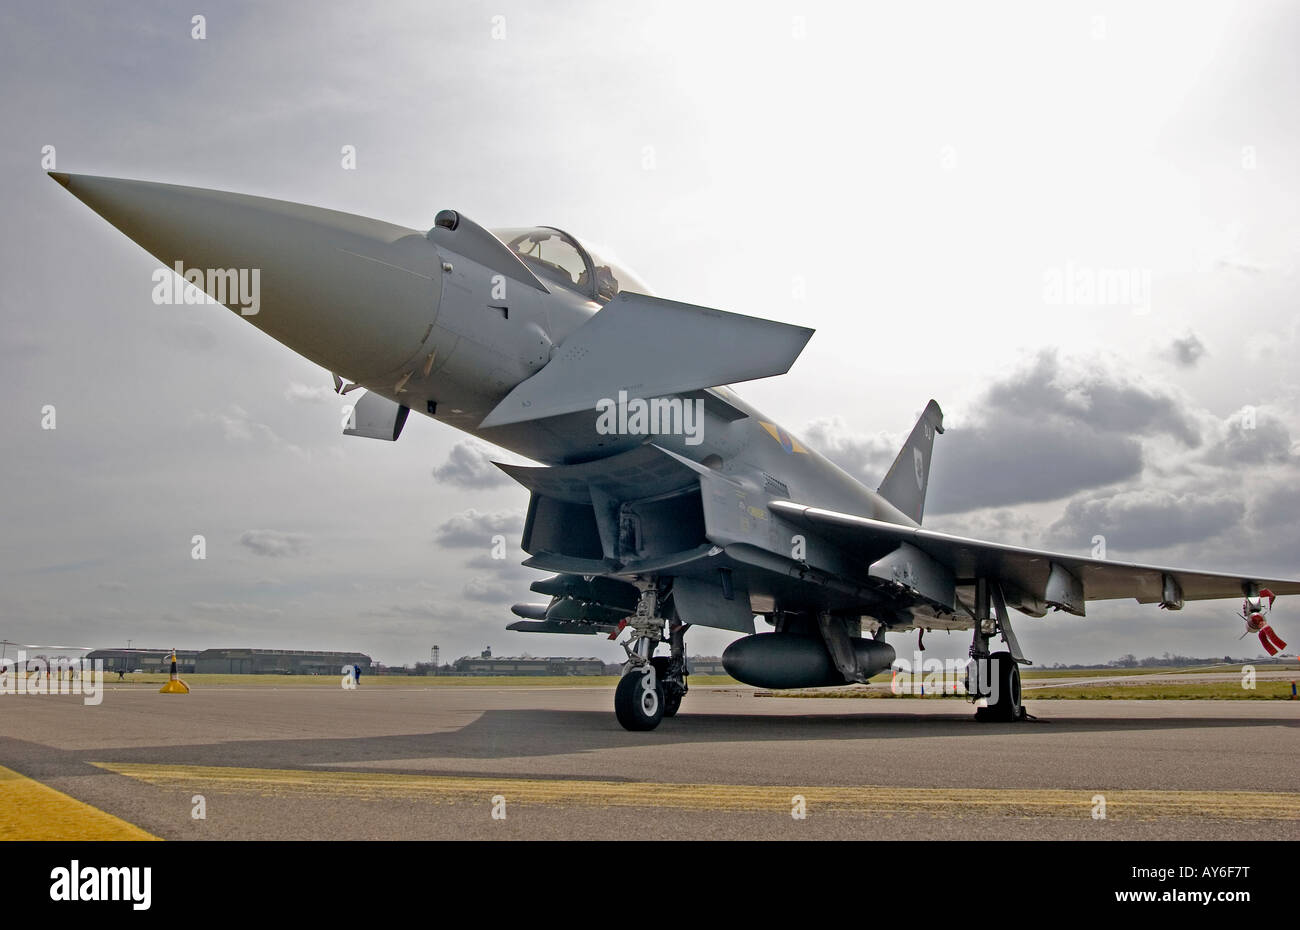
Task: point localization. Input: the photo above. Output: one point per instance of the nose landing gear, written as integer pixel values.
(639, 699)
(652, 687)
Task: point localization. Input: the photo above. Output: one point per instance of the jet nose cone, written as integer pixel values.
(355, 295)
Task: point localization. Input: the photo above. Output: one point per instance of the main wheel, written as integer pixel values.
(636, 706)
(672, 696)
(1006, 672)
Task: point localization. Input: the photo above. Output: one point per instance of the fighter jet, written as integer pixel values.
(661, 499)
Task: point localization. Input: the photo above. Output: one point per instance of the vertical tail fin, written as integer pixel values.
(906, 482)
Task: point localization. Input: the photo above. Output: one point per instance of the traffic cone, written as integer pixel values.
(175, 686)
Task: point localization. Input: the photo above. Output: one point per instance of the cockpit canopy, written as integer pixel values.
(555, 256)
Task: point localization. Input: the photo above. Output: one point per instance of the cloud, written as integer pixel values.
(492, 590)
(422, 611)
(1053, 428)
(305, 394)
(867, 457)
(469, 465)
(239, 427)
(245, 610)
(236, 425)
(1048, 430)
(1149, 518)
(1187, 350)
(1252, 436)
(472, 529)
(274, 543)
(509, 567)
(449, 612)
(1276, 505)
(1091, 394)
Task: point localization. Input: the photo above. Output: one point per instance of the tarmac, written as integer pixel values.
(391, 762)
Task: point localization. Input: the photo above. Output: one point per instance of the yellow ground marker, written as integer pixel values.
(32, 811)
(866, 799)
(174, 684)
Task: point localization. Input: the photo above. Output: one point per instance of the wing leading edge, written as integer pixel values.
(1033, 578)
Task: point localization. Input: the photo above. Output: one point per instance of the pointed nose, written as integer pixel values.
(355, 295)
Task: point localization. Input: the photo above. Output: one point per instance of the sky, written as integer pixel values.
(1076, 226)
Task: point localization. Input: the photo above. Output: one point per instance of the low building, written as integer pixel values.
(276, 662)
(145, 660)
(527, 665)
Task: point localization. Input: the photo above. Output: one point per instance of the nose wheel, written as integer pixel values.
(652, 686)
(639, 699)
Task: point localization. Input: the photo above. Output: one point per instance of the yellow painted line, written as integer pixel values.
(874, 799)
(32, 811)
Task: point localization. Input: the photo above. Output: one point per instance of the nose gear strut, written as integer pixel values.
(652, 686)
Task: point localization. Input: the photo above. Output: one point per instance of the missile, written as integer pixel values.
(530, 611)
(608, 591)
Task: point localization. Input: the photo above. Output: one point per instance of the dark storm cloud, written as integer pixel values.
(469, 465)
(1276, 506)
(472, 529)
(1053, 388)
(275, 544)
(1145, 519)
(1050, 430)
(1014, 459)
(1187, 350)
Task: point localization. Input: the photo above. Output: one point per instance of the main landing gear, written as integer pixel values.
(997, 679)
(993, 679)
(652, 687)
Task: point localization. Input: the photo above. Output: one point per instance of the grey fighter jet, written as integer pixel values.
(662, 499)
